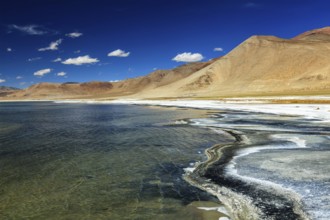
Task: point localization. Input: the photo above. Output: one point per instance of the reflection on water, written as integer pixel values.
(61, 161)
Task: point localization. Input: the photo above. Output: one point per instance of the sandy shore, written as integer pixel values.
(312, 111)
(316, 107)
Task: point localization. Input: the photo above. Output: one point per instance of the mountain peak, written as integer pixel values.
(315, 35)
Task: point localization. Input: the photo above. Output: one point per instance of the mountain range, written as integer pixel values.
(259, 66)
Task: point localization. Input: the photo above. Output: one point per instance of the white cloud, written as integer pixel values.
(34, 59)
(218, 49)
(57, 60)
(28, 29)
(9, 49)
(74, 34)
(81, 60)
(77, 51)
(19, 77)
(52, 46)
(22, 83)
(2, 80)
(118, 53)
(188, 57)
(113, 81)
(61, 74)
(42, 72)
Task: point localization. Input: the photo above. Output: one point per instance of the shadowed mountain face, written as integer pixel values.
(261, 65)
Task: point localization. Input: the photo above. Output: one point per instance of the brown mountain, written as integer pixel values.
(104, 90)
(64, 90)
(261, 65)
(5, 90)
(157, 79)
(317, 34)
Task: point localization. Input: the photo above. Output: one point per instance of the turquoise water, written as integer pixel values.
(77, 161)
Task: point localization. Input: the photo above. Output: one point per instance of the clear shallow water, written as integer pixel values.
(62, 161)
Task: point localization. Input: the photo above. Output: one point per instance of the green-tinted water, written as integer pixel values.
(62, 161)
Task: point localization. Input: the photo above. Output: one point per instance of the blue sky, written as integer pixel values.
(109, 40)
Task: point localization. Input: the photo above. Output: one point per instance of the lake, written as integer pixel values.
(79, 161)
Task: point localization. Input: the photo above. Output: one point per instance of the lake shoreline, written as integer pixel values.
(238, 205)
(241, 206)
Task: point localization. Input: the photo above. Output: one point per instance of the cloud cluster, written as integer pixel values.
(2, 80)
(28, 29)
(42, 72)
(188, 57)
(219, 49)
(74, 34)
(9, 49)
(118, 53)
(80, 60)
(52, 46)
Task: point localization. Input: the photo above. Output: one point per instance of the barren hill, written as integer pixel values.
(159, 78)
(104, 90)
(261, 65)
(5, 90)
(64, 90)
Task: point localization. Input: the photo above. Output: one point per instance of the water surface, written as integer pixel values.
(79, 161)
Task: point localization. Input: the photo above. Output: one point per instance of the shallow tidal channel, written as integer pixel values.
(80, 161)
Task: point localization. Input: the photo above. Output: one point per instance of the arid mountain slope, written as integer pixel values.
(104, 90)
(5, 90)
(158, 79)
(261, 65)
(65, 90)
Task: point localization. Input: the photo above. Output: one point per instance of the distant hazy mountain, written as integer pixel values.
(6, 90)
(65, 90)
